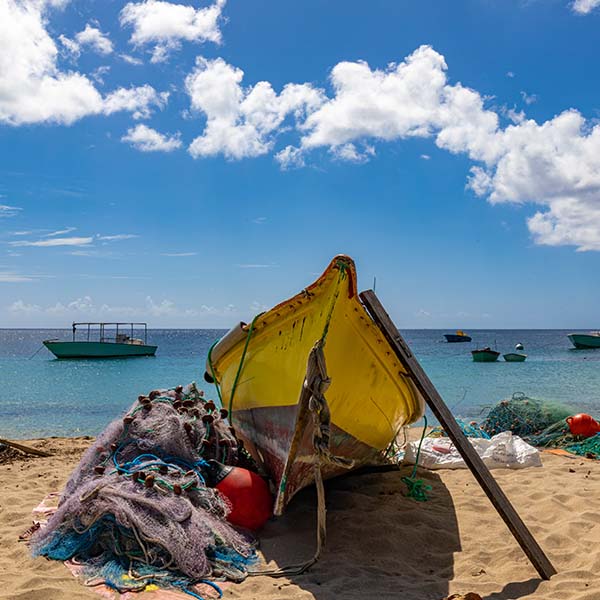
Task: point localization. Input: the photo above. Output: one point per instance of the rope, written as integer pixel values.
(212, 371)
(416, 487)
(42, 346)
(240, 366)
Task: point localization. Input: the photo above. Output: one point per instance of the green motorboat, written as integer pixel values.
(110, 342)
(514, 357)
(485, 355)
(585, 340)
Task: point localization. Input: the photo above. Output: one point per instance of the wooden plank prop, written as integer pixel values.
(448, 422)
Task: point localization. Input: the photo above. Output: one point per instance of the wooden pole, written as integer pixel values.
(448, 422)
(23, 448)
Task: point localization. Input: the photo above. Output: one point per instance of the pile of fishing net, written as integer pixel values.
(544, 423)
(541, 423)
(524, 416)
(138, 509)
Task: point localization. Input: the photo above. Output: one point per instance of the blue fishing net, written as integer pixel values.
(137, 509)
(590, 448)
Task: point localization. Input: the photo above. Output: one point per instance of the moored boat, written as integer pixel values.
(514, 357)
(261, 368)
(107, 345)
(459, 336)
(585, 340)
(485, 355)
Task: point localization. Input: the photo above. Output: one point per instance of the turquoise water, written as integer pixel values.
(42, 396)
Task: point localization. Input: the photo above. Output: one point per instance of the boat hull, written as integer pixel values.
(485, 355)
(514, 357)
(370, 397)
(452, 338)
(98, 349)
(584, 341)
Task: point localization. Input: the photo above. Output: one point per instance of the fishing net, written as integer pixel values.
(524, 416)
(138, 510)
(590, 448)
(470, 430)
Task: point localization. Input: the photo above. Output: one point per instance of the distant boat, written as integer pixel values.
(585, 340)
(485, 355)
(459, 336)
(119, 345)
(514, 357)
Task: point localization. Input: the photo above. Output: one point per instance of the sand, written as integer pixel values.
(380, 543)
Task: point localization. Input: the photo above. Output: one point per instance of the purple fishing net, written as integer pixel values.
(139, 498)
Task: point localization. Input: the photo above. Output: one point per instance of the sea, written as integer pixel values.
(41, 396)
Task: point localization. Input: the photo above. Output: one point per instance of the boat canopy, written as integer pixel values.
(105, 335)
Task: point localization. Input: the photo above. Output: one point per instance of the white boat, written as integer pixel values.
(110, 342)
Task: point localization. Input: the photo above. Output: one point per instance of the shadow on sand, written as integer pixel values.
(380, 544)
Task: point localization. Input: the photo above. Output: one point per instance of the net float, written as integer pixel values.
(248, 494)
(584, 425)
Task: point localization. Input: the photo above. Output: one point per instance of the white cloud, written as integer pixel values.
(165, 25)
(95, 39)
(99, 73)
(117, 237)
(583, 7)
(147, 139)
(137, 100)
(11, 277)
(71, 46)
(32, 87)
(528, 98)
(179, 254)
(22, 307)
(60, 232)
(53, 242)
(241, 122)
(9, 211)
(132, 60)
(555, 164)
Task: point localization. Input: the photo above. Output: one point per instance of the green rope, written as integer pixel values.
(416, 487)
(341, 276)
(212, 370)
(239, 371)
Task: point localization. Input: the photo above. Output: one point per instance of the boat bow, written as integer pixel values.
(261, 369)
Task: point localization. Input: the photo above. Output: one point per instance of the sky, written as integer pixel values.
(191, 164)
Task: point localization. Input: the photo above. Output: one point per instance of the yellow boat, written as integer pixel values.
(261, 368)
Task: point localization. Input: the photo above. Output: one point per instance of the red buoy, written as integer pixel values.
(583, 424)
(248, 494)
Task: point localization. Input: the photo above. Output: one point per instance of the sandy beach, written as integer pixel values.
(380, 543)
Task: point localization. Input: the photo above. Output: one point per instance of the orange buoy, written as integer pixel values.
(583, 424)
(248, 494)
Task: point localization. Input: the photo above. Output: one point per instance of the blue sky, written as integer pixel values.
(192, 164)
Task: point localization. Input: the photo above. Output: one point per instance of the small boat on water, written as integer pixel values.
(485, 355)
(261, 368)
(110, 342)
(514, 357)
(585, 340)
(459, 336)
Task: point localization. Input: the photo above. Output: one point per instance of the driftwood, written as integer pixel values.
(23, 448)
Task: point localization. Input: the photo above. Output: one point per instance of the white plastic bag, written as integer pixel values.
(503, 451)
